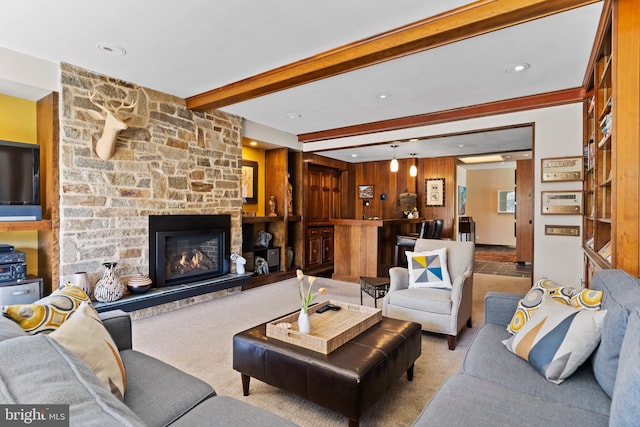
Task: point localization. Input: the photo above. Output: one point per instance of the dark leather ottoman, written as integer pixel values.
(348, 380)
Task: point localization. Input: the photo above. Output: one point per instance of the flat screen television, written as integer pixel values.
(19, 181)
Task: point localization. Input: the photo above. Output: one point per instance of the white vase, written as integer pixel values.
(109, 288)
(81, 280)
(303, 322)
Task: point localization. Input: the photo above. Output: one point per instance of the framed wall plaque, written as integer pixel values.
(561, 203)
(562, 169)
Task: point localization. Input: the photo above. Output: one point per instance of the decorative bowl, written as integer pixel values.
(139, 284)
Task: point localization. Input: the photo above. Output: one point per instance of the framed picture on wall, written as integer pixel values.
(365, 191)
(249, 182)
(562, 169)
(434, 191)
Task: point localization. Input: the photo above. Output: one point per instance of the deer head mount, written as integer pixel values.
(113, 123)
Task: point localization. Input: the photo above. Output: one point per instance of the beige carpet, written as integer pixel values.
(198, 340)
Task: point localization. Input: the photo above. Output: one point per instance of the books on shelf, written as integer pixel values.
(589, 242)
(589, 155)
(605, 251)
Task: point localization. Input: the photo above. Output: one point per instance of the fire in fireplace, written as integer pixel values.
(188, 248)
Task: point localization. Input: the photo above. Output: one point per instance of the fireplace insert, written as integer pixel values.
(188, 248)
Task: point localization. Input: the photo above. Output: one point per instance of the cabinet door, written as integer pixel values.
(327, 244)
(314, 204)
(335, 195)
(314, 247)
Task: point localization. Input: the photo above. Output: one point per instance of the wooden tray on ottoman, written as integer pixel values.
(329, 330)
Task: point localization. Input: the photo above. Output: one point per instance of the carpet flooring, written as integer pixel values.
(198, 340)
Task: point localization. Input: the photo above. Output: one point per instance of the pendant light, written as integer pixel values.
(413, 170)
(394, 162)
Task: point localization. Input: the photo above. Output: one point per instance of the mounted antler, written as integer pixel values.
(113, 123)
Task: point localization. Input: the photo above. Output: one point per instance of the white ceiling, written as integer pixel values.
(188, 47)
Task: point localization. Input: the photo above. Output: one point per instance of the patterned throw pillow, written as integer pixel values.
(558, 338)
(428, 269)
(84, 335)
(48, 313)
(575, 297)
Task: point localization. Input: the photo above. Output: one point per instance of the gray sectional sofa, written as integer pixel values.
(35, 369)
(497, 388)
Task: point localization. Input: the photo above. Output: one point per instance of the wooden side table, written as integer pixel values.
(376, 287)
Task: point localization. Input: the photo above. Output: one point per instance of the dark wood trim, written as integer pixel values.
(441, 135)
(548, 99)
(478, 18)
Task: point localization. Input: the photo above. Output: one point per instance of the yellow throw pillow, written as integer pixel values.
(48, 313)
(588, 299)
(84, 335)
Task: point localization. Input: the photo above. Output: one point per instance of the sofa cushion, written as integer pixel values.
(48, 313)
(428, 269)
(38, 370)
(222, 411)
(464, 400)
(10, 329)
(558, 339)
(621, 296)
(588, 299)
(159, 393)
(487, 358)
(83, 335)
(625, 410)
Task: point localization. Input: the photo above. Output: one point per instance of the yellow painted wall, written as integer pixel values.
(18, 123)
(256, 155)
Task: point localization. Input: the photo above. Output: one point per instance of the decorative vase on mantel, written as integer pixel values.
(109, 287)
(304, 325)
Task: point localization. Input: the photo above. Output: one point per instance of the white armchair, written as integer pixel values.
(443, 311)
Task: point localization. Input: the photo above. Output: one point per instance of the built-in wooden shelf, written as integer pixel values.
(25, 225)
(261, 219)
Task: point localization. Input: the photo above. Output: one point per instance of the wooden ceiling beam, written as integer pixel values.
(477, 18)
(481, 110)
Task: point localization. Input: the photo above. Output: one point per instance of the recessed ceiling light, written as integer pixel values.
(516, 68)
(253, 143)
(460, 145)
(384, 96)
(293, 116)
(354, 155)
(111, 49)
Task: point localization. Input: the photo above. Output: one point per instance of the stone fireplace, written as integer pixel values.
(171, 162)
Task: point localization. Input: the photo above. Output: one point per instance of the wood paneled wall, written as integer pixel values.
(392, 184)
(441, 167)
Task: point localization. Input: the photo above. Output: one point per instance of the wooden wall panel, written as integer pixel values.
(441, 167)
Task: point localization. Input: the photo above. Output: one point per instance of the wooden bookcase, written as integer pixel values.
(598, 151)
(612, 143)
(283, 166)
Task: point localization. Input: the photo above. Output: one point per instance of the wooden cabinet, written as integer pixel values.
(319, 243)
(323, 193)
(612, 143)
